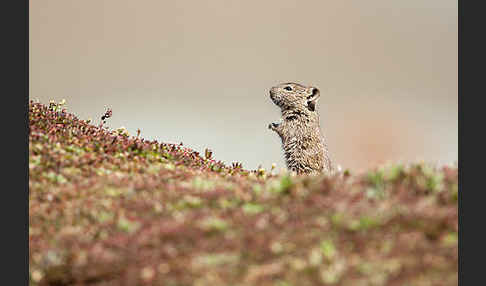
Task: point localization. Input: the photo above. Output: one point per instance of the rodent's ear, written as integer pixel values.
(312, 98)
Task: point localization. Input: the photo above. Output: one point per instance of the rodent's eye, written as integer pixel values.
(288, 87)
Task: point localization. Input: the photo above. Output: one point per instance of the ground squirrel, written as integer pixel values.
(305, 149)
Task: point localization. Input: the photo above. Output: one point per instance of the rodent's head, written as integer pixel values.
(294, 96)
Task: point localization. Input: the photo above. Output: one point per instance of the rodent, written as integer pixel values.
(305, 149)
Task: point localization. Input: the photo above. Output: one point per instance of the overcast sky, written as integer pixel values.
(199, 72)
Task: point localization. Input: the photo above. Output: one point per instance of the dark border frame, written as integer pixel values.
(14, 215)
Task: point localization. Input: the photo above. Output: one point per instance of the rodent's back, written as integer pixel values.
(305, 149)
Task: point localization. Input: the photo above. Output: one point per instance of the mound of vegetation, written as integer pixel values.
(107, 208)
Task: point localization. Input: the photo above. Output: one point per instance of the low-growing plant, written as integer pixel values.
(108, 208)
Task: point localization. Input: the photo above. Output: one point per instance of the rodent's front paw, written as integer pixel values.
(273, 126)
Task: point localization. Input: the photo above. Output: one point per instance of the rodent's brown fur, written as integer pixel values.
(305, 149)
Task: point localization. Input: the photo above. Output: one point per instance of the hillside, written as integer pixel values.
(107, 208)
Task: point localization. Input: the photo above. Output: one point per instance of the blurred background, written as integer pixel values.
(199, 72)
